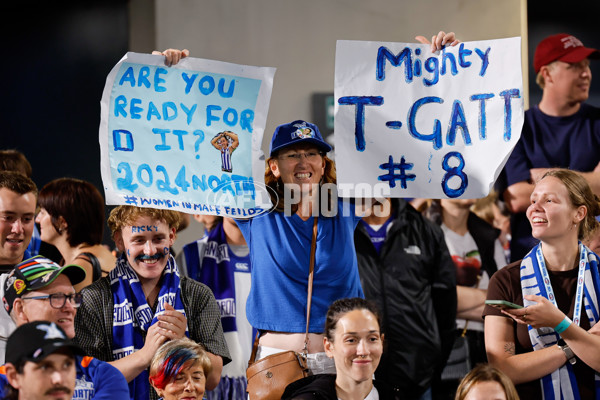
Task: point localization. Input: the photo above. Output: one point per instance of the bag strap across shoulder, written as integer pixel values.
(311, 273)
(313, 249)
(96, 267)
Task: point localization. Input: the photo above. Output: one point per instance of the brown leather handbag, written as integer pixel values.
(269, 376)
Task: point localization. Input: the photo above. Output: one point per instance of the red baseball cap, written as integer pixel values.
(561, 47)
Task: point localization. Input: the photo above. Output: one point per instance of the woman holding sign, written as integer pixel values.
(280, 246)
(558, 282)
(303, 177)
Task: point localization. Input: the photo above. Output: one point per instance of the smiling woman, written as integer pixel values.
(559, 284)
(178, 370)
(354, 341)
(280, 244)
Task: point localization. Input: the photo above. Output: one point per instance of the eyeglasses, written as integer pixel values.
(58, 300)
(309, 155)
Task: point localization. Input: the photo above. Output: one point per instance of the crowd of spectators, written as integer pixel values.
(133, 320)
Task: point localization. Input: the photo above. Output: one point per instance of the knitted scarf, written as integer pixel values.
(561, 384)
(133, 316)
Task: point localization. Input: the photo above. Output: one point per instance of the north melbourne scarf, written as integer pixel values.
(133, 315)
(561, 384)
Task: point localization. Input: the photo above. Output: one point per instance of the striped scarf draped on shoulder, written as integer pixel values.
(561, 384)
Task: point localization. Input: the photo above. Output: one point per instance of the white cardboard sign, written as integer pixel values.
(423, 124)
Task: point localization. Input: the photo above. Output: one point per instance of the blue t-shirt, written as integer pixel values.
(566, 142)
(95, 380)
(280, 258)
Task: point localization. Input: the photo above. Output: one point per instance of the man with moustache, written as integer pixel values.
(560, 132)
(40, 290)
(41, 363)
(18, 197)
(126, 316)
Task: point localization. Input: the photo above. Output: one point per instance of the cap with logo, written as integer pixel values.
(35, 341)
(34, 274)
(297, 132)
(561, 47)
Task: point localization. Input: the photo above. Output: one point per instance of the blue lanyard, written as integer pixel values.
(580, 279)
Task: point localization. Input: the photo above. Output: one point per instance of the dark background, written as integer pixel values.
(56, 59)
(578, 18)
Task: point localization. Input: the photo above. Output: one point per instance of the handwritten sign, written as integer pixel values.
(433, 125)
(186, 137)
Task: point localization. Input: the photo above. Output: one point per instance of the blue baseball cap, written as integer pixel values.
(297, 132)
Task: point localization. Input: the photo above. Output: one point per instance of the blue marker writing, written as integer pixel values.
(359, 120)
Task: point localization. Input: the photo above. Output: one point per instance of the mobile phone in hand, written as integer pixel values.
(502, 304)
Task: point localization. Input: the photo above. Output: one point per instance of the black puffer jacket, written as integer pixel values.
(413, 281)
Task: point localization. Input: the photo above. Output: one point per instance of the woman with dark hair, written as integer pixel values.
(71, 218)
(546, 347)
(354, 341)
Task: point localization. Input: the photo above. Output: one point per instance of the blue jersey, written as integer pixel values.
(226, 160)
(95, 379)
(280, 256)
(212, 261)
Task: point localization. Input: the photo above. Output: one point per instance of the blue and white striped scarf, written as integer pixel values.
(561, 384)
(133, 315)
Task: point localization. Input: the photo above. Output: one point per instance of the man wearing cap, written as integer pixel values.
(40, 363)
(39, 289)
(561, 131)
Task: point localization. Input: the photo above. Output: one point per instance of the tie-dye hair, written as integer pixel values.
(172, 357)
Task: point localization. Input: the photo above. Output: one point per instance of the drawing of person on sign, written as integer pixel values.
(226, 142)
